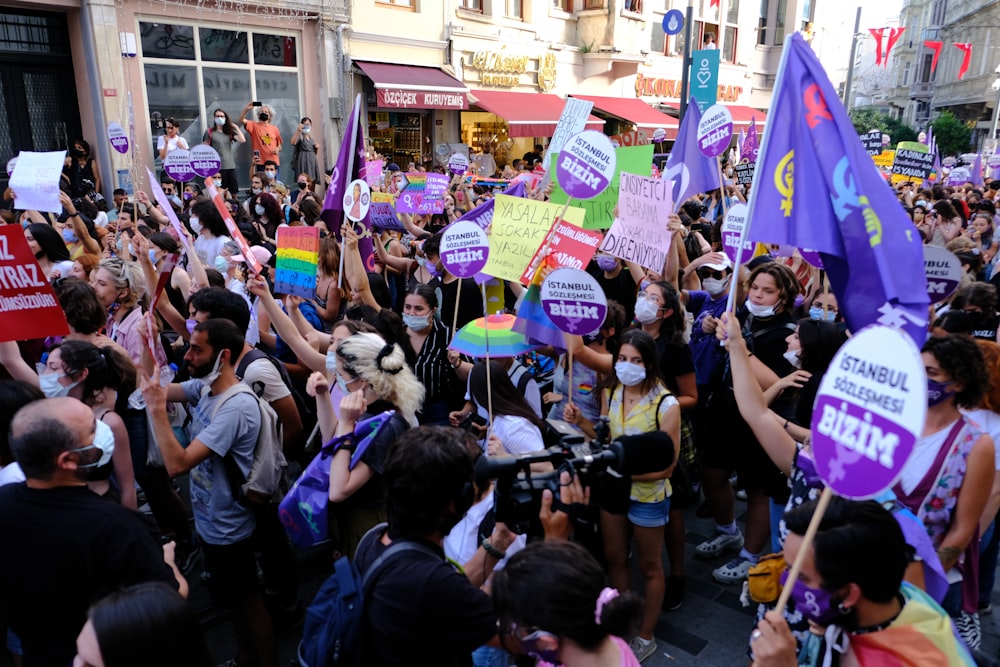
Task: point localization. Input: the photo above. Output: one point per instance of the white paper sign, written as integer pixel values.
(35, 181)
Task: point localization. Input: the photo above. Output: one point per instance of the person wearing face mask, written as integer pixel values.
(53, 440)
(305, 188)
(210, 231)
(429, 338)
(727, 442)
(516, 426)
(266, 216)
(225, 137)
(81, 166)
(824, 307)
(306, 149)
(265, 139)
(270, 174)
(103, 378)
(636, 400)
(617, 282)
(852, 581)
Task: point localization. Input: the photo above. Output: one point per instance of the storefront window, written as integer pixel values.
(224, 46)
(224, 69)
(164, 40)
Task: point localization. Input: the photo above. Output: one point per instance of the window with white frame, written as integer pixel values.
(406, 4)
(515, 9)
(192, 70)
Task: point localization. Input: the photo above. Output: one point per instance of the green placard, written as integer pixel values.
(601, 209)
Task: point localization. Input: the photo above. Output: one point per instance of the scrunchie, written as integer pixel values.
(383, 353)
(606, 596)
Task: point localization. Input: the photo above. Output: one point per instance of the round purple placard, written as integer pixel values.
(117, 137)
(732, 229)
(869, 411)
(177, 164)
(205, 160)
(715, 131)
(586, 164)
(458, 163)
(943, 270)
(574, 301)
(464, 248)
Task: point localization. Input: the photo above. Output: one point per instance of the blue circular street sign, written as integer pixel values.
(673, 22)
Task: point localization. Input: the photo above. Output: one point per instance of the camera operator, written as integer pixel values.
(420, 606)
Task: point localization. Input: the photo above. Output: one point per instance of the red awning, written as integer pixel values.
(632, 110)
(412, 87)
(527, 114)
(741, 114)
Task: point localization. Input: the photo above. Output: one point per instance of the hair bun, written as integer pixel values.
(387, 351)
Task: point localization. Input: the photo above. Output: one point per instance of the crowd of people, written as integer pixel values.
(133, 402)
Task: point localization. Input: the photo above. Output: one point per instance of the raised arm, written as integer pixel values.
(283, 324)
(354, 266)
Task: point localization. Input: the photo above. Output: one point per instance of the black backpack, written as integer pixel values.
(307, 412)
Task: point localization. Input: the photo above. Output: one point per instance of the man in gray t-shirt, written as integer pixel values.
(218, 432)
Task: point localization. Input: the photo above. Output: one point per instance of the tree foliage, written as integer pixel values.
(867, 119)
(952, 136)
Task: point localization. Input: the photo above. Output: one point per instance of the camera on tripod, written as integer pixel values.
(519, 489)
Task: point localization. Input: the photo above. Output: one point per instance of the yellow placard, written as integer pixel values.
(518, 229)
(885, 159)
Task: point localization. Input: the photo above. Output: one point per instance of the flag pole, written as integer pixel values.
(350, 171)
(722, 189)
(454, 318)
(489, 382)
(752, 203)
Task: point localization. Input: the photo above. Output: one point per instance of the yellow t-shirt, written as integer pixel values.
(641, 419)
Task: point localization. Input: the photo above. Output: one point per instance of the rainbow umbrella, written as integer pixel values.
(503, 341)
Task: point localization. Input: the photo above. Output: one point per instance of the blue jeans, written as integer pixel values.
(989, 549)
(489, 656)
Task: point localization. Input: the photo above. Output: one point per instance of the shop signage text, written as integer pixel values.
(500, 68)
(647, 86)
(400, 98)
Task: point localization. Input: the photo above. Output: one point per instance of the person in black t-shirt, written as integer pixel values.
(64, 546)
(616, 280)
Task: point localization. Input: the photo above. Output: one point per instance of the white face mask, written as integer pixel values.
(49, 384)
(270, 174)
(196, 226)
(210, 379)
(630, 374)
(306, 129)
(646, 311)
(104, 440)
(258, 209)
(714, 286)
(331, 361)
(219, 121)
(256, 191)
(792, 357)
(760, 311)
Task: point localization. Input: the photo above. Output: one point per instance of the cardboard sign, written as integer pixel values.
(464, 249)
(35, 181)
(297, 261)
(572, 120)
(566, 245)
(357, 199)
(518, 229)
(373, 173)
(640, 233)
(744, 172)
(117, 137)
(869, 412)
(913, 163)
(944, 272)
(586, 165)
(715, 131)
(177, 165)
(574, 301)
(382, 212)
(601, 209)
(423, 193)
(205, 160)
(28, 306)
(732, 229)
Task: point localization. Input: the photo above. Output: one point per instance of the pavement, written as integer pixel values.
(709, 630)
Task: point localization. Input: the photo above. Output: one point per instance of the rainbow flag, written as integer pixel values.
(531, 318)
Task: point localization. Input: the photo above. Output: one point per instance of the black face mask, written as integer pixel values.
(302, 185)
(77, 152)
(263, 117)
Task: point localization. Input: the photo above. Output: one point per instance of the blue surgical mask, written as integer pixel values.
(256, 191)
(152, 256)
(219, 121)
(306, 129)
(816, 313)
(416, 322)
(921, 202)
(270, 174)
(258, 209)
(221, 264)
(69, 235)
(630, 374)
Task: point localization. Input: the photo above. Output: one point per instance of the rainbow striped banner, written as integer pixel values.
(297, 261)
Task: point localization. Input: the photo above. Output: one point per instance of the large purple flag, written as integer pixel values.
(977, 171)
(689, 169)
(811, 154)
(351, 165)
(750, 146)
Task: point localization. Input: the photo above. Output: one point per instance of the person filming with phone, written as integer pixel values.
(265, 139)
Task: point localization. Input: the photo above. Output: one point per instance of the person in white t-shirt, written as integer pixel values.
(515, 423)
(170, 141)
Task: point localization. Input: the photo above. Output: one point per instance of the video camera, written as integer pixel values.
(519, 490)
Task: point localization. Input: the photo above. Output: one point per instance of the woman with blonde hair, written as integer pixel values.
(119, 285)
(375, 380)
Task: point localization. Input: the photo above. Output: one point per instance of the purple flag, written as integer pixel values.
(350, 166)
(691, 172)
(870, 249)
(750, 146)
(739, 141)
(977, 171)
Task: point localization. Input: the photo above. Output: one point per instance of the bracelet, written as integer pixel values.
(73, 215)
(786, 425)
(491, 550)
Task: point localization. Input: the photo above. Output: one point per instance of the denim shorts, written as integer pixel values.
(649, 515)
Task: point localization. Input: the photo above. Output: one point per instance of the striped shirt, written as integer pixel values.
(432, 367)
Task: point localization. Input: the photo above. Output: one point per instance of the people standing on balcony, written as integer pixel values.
(225, 136)
(170, 141)
(265, 139)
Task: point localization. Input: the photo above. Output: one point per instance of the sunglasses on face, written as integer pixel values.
(718, 275)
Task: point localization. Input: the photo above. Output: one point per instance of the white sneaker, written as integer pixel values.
(718, 544)
(732, 572)
(643, 648)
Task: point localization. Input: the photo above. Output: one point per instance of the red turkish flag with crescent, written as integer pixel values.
(894, 35)
(877, 33)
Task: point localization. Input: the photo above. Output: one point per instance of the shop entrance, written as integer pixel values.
(39, 109)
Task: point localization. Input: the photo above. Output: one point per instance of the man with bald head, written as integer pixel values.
(64, 547)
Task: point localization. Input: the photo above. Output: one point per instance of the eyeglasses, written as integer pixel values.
(709, 273)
